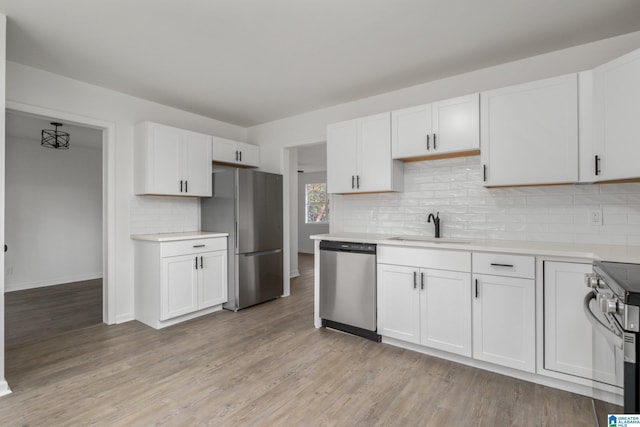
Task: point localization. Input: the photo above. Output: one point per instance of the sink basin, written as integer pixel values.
(429, 239)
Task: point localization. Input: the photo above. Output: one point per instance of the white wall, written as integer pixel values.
(310, 127)
(305, 245)
(53, 211)
(30, 86)
(468, 210)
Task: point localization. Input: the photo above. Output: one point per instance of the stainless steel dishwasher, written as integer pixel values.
(348, 287)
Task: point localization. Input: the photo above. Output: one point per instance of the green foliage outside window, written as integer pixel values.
(317, 203)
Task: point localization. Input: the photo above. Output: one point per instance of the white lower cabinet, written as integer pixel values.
(571, 345)
(504, 316)
(504, 321)
(441, 325)
(179, 280)
(398, 303)
(425, 306)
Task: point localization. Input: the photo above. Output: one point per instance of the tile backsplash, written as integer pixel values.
(163, 214)
(468, 210)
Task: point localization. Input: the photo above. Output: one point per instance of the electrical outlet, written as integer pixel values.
(595, 217)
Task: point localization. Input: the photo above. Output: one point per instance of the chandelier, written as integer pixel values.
(54, 138)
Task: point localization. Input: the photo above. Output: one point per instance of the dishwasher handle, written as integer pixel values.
(363, 248)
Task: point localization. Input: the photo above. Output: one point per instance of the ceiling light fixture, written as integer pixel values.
(54, 138)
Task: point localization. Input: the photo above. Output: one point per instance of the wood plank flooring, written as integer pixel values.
(263, 366)
(34, 314)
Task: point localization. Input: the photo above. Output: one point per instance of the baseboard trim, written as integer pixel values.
(126, 317)
(11, 287)
(4, 388)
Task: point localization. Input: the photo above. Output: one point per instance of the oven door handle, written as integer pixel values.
(614, 337)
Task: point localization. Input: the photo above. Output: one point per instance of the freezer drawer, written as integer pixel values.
(259, 278)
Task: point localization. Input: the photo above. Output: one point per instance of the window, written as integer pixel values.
(317, 203)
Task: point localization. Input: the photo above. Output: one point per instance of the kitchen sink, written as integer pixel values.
(428, 239)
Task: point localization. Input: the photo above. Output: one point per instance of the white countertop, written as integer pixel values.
(171, 237)
(616, 253)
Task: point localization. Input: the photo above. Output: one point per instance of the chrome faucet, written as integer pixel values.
(436, 222)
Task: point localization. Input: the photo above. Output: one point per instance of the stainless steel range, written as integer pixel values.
(616, 289)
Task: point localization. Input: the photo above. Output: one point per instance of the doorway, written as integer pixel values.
(53, 230)
(298, 160)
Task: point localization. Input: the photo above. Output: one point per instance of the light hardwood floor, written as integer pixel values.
(262, 366)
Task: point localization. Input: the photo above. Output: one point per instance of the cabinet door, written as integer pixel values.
(374, 153)
(197, 164)
(250, 155)
(504, 321)
(529, 133)
(212, 279)
(616, 112)
(165, 160)
(178, 286)
(398, 302)
(410, 128)
(224, 150)
(342, 156)
(445, 317)
(456, 125)
(571, 345)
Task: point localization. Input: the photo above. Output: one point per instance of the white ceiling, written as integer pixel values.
(252, 61)
(29, 128)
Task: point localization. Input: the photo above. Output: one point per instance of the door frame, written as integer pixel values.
(108, 193)
(285, 167)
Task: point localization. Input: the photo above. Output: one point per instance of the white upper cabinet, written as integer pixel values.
(436, 130)
(529, 133)
(171, 161)
(359, 156)
(227, 151)
(616, 113)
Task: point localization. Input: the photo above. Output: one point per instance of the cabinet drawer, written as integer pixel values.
(440, 259)
(504, 264)
(195, 246)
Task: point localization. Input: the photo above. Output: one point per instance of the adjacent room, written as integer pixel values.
(53, 229)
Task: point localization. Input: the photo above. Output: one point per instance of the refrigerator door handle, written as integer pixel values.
(259, 253)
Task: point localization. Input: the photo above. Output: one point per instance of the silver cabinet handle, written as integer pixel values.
(415, 284)
(476, 288)
(353, 182)
(428, 142)
(186, 186)
(201, 262)
(181, 186)
(495, 264)
(358, 181)
(196, 263)
(422, 281)
(199, 246)
(434, 141)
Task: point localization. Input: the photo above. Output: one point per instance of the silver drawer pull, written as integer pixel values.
(495, 264)
(199, 246)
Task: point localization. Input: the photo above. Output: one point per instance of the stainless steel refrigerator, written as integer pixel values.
(247, 204)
